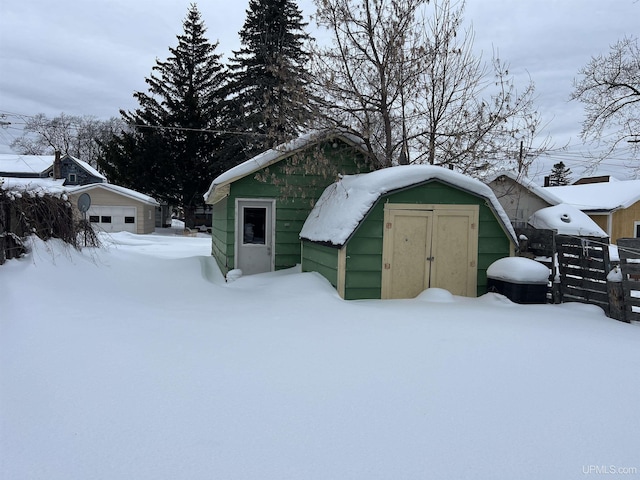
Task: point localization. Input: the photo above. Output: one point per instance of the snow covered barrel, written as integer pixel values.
(520, 279)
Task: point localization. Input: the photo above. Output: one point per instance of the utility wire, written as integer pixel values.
(203, 130)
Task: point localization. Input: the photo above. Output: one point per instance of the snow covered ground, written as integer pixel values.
(137, 361)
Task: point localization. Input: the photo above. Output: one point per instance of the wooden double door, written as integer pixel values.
(429, 246)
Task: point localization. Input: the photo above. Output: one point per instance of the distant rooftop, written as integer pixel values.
(601, 196)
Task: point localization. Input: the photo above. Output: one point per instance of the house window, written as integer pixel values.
(636, 229)
(253, 224)
(73, 178)
(94, 218)
(129, 219)
(105, 219)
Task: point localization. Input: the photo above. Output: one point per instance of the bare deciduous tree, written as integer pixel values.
(609, 88)
(78, 136)
(472, 116)
(406, 79)
(367, 74)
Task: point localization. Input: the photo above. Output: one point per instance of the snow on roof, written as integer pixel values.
(35, 186)
(127, 192)
(32, 164)
(604, 196)
(90, 170)
(38, 164)
(56, 188)
(344, 204)
(527, 183)
(567, 220)
(274, 155)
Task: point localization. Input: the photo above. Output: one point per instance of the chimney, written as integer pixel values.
(57, 166)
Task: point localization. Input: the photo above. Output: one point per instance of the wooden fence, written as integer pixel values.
(539, 242)
(540, 245)
(583, 264)
(629, 253)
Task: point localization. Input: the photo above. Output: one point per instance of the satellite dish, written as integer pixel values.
(84, 202)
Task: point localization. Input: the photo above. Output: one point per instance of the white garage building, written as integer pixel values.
(117, 209)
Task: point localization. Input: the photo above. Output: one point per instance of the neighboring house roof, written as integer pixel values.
(599, 197)
(88, 168)
(219, 186)
(12, 165)
(344, 204)
(141, 197)
(527, 183)
(16, 165)
(566, 220)
(598, 179)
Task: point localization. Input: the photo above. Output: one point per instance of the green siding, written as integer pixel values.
(364, 263)
(364, 249)
(295, 186)
(220, 234)
(321, 259)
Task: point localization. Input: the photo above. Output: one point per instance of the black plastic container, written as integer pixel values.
(519, 292)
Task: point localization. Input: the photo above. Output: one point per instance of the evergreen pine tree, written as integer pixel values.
(270, 99)
(559, 175)
(170, 149)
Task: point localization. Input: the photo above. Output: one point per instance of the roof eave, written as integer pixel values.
(218, 193)
(108, 186)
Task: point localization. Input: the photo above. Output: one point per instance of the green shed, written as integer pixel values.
(394, 232)
(259, 206)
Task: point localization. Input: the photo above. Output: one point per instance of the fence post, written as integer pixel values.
(616, 300)
(556, 291)
(3, 228)
(629, 253)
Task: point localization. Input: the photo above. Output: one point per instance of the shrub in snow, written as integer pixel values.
(37, 212)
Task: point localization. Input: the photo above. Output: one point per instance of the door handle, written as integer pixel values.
(430, 259)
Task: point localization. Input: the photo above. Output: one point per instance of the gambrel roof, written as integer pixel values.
(344, 204)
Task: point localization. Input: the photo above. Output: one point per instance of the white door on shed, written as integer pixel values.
(254, 235)
(113, 219)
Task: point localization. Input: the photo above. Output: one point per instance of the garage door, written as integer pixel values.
(113, 219)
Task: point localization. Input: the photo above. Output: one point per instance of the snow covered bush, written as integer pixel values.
(25, 212)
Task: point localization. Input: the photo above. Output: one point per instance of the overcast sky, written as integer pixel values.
(88, 57)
